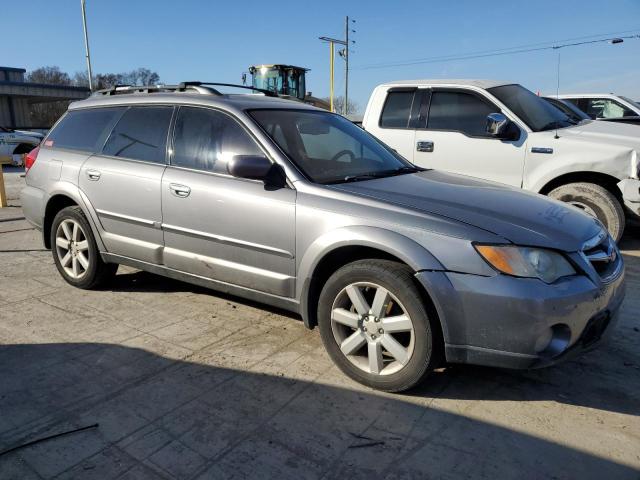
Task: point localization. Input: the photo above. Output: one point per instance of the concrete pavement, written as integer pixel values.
(187, 383)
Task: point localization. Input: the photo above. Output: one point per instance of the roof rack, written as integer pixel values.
(267, 93)
(197, 87)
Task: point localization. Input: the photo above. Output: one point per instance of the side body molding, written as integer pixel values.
(388, 241)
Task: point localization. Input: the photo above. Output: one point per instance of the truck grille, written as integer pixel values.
(603, 255)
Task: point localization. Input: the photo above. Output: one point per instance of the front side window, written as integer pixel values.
(397, 109)
(84, 130)
(207, 139)
(538, 114)
(606, 108)
(459, 112)
(141, 134)
(328, 148)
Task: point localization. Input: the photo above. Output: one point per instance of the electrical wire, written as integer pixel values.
(500, 52)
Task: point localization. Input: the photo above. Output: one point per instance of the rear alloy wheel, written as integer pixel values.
(596, 201)
(72, 248)
(375, 326)
(75, 252)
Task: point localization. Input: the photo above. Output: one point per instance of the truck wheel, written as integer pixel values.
(595, 200)
(375, 326)
(75, 252)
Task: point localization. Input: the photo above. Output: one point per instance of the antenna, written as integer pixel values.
(558, 90)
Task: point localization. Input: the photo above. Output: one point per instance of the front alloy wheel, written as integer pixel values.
(373, 329)
(374, 324)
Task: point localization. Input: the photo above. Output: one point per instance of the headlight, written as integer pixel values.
(541, 263)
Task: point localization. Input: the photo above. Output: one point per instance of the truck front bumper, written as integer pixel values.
(630, 189)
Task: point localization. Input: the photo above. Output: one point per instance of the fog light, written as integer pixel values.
(553, 341)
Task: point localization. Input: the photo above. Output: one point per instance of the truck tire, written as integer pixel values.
(596, 201)
(375, 326)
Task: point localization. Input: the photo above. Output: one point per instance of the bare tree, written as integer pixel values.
(46, 114)
(338, 105)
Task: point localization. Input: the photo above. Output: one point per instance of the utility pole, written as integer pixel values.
(344, 53)
(86, 44)
(346, 67)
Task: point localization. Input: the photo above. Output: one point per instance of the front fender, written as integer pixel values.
(390, 242)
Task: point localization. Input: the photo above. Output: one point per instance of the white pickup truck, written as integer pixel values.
(503, 132)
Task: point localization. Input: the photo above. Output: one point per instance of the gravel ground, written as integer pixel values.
(187, 383)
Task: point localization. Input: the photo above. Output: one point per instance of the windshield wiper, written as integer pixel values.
(380, 174)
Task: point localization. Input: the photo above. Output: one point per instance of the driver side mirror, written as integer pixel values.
(256, 167)
(499, 126)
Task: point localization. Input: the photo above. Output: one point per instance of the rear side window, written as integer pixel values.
(397, 110)
(460, 112)
(141, 134)
(84, 130)
(206, 139)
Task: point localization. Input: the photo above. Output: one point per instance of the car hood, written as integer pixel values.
(520, 217)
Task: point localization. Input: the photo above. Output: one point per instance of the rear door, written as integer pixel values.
(398, 119)
(217, 226)
(451, 136)
(123, 182)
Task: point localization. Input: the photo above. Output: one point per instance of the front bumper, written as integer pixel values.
(630, 189)
(521, 323)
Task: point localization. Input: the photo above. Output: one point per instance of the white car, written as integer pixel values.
(503, 132)
(15, 143)
(603, 105)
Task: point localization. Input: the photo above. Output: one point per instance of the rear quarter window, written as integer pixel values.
(84, 130)
(397, 109)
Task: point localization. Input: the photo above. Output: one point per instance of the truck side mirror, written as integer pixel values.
(499, 126)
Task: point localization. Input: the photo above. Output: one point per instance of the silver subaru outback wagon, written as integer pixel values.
(402, 269)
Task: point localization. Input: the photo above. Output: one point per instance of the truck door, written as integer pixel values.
(451, 136)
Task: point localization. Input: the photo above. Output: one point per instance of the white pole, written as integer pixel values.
(86, 44)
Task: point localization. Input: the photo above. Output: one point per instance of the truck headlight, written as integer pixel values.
(541, 263)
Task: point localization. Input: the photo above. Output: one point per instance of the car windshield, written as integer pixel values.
(328, 148)
(538, 114)
(627, 99)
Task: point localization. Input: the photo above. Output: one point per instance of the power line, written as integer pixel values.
(499, 52)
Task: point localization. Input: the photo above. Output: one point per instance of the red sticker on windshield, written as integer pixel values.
(48, 143)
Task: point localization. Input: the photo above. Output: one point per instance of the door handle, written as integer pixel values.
(181, 191)
(93, 175)
(424, 146)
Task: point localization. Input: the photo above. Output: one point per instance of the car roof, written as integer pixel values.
(226, 101)
(480, 83)
(585, 95)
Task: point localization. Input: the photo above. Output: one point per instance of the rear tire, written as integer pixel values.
(596, 201)
(75, 251)
(387, 344)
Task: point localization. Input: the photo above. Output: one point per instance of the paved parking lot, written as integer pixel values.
(186, 383)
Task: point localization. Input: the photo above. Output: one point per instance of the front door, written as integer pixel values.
(216, 226)
(453, 138)
(122, 183)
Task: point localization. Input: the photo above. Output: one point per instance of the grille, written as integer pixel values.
(601, 252)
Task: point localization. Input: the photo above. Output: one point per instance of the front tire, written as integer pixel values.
(75, 251)
(375, 326)
(595, 200)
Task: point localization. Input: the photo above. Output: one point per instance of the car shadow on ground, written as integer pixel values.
(185, 419)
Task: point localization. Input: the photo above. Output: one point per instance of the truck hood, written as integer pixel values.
(612, 133)
(520, 217)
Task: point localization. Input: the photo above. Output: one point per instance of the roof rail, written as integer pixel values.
(266, 93)
(198, 87)
(124, 89)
